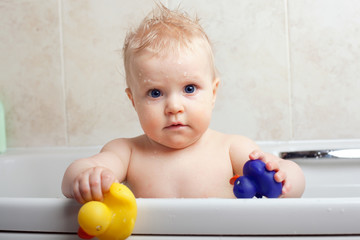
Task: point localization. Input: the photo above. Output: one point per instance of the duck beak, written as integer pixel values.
(233, 179)
(83, 235)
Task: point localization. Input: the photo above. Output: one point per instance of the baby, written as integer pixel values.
(172, 85)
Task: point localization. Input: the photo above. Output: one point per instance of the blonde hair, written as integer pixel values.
(164, 32)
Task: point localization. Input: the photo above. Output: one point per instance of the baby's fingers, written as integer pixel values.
(257, 154)
(76, 193)
(286, 188)
(280, 176)
(107, 178)
(82, 191)
(95, 184)
(272, 166)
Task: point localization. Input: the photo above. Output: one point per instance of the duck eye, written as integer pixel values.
(155, 93)
(190, 88)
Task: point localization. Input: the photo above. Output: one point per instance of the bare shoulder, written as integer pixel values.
(123, 146)
(234, 141)
(120, 148)
(239, 147)
(242, 142)
(118, 154)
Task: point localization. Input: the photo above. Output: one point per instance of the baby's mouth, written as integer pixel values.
(175, 126)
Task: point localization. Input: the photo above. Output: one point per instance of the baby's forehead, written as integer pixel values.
(187, 64)
(178, 57)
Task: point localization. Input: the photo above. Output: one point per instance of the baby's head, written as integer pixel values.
(171, 77)
(166, 33)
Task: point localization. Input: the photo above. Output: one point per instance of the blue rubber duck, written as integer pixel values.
(257, 181)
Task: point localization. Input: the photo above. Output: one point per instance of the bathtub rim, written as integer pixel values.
(325, 208)
(268, 146)
(164, 216)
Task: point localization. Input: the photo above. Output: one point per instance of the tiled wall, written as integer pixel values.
(290, 69)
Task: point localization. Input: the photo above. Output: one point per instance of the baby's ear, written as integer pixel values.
(216, 83)
(130, 96)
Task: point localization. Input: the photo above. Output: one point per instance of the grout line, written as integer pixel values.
(289, 69)
(62, 67)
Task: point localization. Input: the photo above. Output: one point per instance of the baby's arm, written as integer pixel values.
(89, 178)
(289, 173)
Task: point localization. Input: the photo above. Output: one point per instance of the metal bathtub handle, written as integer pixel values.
(329, 153)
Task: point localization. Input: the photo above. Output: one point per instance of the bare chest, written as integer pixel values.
(182, 175)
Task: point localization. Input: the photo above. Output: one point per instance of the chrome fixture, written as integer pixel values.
(330, 153)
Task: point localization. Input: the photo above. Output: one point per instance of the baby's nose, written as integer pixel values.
(174, 105)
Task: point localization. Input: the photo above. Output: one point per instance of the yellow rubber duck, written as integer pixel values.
(114, 218)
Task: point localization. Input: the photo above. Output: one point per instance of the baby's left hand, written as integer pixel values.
(273, 163)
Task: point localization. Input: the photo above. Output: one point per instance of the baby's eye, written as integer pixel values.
(155, 93)
(190, 88)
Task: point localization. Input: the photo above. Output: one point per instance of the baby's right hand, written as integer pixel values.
(92, 184)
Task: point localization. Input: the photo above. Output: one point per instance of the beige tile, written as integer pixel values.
(250, 50)
(97, 106)
(325, 53)
(30, 83)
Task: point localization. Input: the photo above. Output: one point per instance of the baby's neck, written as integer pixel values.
(156, 146)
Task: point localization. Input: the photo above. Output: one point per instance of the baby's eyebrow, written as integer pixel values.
(151, 85)
(190, 76)
(147, 81)
(194, 79)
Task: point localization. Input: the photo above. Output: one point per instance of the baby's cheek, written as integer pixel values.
(148, 121)
(201, 116)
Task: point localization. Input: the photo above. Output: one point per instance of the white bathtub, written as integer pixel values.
(32, 206)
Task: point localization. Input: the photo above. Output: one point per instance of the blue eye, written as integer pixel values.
(155, 93)
(190, 88)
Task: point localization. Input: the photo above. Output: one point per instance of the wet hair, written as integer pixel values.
(165, 32)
